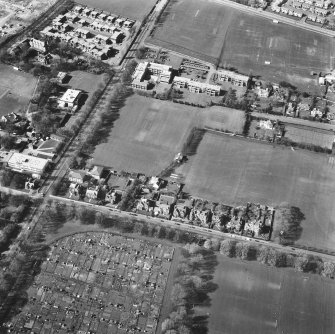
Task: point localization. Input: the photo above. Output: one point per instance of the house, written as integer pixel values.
(62, 77)
(128, 24)
(82, 32)
(70, 99)
(86, 12)
(111, 19)
(311, 17)
(78, 9)
(27, 164)
(96, 172)
(10, 118)
(30, 184)
(119, 21)
(92, 192)
(38, 45)
(263, 91)
(113, 196)
(117, 37)
(77, 176)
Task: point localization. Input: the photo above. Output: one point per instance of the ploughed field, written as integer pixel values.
(234, 170)
(256, 299)
(127, 8)
(227, 37)
(149, 133)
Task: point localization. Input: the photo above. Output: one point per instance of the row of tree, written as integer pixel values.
(271, 256)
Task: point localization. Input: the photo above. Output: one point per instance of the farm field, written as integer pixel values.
(126, 8)
(253, 298)
(16, 89)
(149, 133)
(300, 134)
(235, 171)
(227, 37)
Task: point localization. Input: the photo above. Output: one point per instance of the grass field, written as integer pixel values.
(16, 89)
(126, 8)
(300, 134)
(252, 298)
(234, 170)
(149, 133)
(226, 36)
(85, 81)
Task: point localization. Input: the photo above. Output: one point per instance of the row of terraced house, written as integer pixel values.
(315, 11)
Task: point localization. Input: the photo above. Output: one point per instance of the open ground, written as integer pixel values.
(227, 37)
(16, 89)
(256, 299)
(149, 133)
(127, 8)
(235, 171)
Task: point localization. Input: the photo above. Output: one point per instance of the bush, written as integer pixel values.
(228, 247)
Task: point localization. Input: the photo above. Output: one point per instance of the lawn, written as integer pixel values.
(85, 81)
(227, 37)
(137, 9)
(301, 134)
(234, 170)
(149, 133)
(16, 89)
(256, 299)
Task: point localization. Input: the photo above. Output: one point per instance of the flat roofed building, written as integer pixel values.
(128, 24)
(137, 84)
(158, 68)
(197, 87)
(165, 76)
(38, 45)
(27, 164)
(116, 37)
(69, 99)
(235, 78)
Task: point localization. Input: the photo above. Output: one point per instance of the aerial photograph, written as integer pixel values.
(167, 166)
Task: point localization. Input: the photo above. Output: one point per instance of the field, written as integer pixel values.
(16, 89)
(149, 133)
(301, 134)
(127, 8)
(85, 81)
(227, 37)
(234, 170)
(98, 282)
(255, 299)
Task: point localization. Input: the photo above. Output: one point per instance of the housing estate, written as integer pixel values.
(96, 33)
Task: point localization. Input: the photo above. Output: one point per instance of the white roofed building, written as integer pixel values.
(70, 99)
(27, 164)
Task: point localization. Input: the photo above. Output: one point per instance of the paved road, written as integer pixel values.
(273, 16)
(205, 232)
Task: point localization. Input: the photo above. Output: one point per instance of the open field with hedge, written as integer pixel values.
(236, 171)
(227, 37)
(254, 298)
(149, 133)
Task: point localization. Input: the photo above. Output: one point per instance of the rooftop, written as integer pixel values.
(24, 161)
(70, 95)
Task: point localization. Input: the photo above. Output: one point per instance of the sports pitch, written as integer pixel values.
(149, 133)
(234, 171)
(126, 8)
(227, 37)
(256, 299)
(16, 89)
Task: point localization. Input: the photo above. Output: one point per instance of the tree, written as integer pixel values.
(328, 269)
(8, 142)
(230, 98)
(243, 250)
(6, 177)
(301, 262)
(178, 294)
(19, 181)
(140, 52)
(167, 324)
(227, 247)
